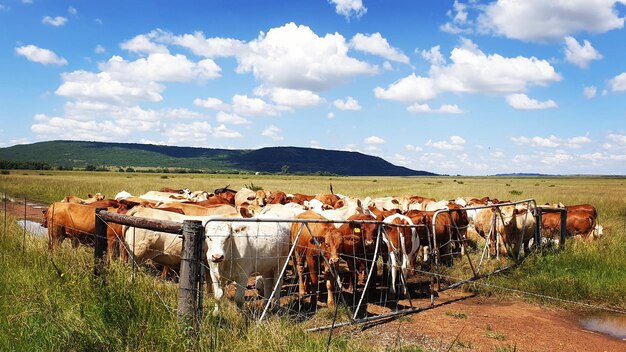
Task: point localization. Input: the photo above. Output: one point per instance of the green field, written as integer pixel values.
(62, 313)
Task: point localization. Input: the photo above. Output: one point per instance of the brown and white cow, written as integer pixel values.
(330, 240)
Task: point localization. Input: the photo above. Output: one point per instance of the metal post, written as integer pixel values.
(538, 217)
(193, 237)
(101, 243)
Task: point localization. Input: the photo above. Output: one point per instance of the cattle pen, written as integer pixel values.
(390, 299)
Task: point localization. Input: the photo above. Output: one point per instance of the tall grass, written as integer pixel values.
(54, 303)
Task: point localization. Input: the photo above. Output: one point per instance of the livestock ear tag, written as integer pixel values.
(357, 230)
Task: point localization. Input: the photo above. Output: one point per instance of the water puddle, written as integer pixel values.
(33, 227)
(613, 324)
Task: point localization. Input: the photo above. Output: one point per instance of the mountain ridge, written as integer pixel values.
(79, 154)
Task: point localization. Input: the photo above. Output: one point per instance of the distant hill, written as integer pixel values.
(78, 154)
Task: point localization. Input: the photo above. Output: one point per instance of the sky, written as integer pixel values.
(455, 87)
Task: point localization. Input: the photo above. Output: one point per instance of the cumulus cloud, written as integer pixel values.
(65, 128)
(348, 104)
(199, 133)
(294, 57)
(202, 46)
(40, 55)
(580, 55)
(523, 102)
(211, 103)
(618, 83)
(425, 108)
(244, 105)
(143, 44)
(453, 143)
(54, 21)
(615, 141)
(590, 92)
(331, 115)
(433, 56)
(472, 71)
(539, 20)
(232, 119)
(551, 141)
(102, 87)
(374, 140)
(459, 19)
(272, 132)
(72, 11)
(349, 8)
(161, 67)
(290, 97)
(413, 148)
(99, 49)
(377, 45)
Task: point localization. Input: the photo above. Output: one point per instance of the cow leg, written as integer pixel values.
(218, 293)
(330, 285)
(242, 282)
(301, 277)
(312, 264)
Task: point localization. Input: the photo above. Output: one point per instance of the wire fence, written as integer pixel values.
(388, 278)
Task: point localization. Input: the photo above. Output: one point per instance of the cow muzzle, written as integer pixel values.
(217, 257)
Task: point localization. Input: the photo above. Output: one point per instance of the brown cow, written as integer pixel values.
(358, 246)
(583, 207)
(444, 231)
(330, 240)
(327, 199)
(277, 197)
(78, 222)
(196, 210)
(401, 246)
(299, 198)
(515, 226)
(578, 223)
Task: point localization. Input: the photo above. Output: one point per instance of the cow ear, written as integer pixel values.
(245, 212)
(89, 195)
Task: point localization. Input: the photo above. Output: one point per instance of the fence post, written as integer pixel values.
(538, 217)
(101, 244)
(190, 265)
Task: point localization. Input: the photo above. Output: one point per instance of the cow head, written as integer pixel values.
(217, 235)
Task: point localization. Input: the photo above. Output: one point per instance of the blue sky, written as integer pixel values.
(458, 87)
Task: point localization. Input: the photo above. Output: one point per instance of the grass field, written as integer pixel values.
(56, 311)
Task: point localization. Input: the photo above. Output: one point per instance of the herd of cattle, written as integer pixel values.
(325, 229)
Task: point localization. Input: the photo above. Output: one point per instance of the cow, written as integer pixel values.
(391, 203)
(358, 245)
(299, 198)
(517, 227)
(579, 223)
(327, 199)
(583, 207)
(260, 248)
(226, 194)
(164, 196)
(196, 210)
(402, 243)
(352, 207)
(90, 199)
(330, 241)
(173, 190)
(277, 197)
(78, 222)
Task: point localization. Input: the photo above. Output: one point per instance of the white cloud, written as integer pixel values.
(59, 127)
(272, 132)
(202, 46)
(472, 71)
(523, 102)
(161, 67)
(72, 10)
(290, 97)
(349, 8)
(377, 45)
(418, 108)
(349, 104)
(615, 141)
(54, 21)
(579, 55)
(99, 49)
(39, 55)
(412, 148)
(433, 56)
(399, 159)
(552, 141)
(232, 119)
(618, 83)
(454, 143)
(590, 92)
(556, 158)
(539, 20)
(374, 140)
(199, 133)
(331, 115)
(143, 44)
(387, 66)
(102, 87)
(211, 103)
(243, 105)
(459, 16)
(315, 144)
(295, 57)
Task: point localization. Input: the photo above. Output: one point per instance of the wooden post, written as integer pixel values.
(101, 243)
(563, 228)
(193, 237)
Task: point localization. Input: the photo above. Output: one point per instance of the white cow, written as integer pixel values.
(259, 248)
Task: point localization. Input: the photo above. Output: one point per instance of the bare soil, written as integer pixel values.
(459, 322)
